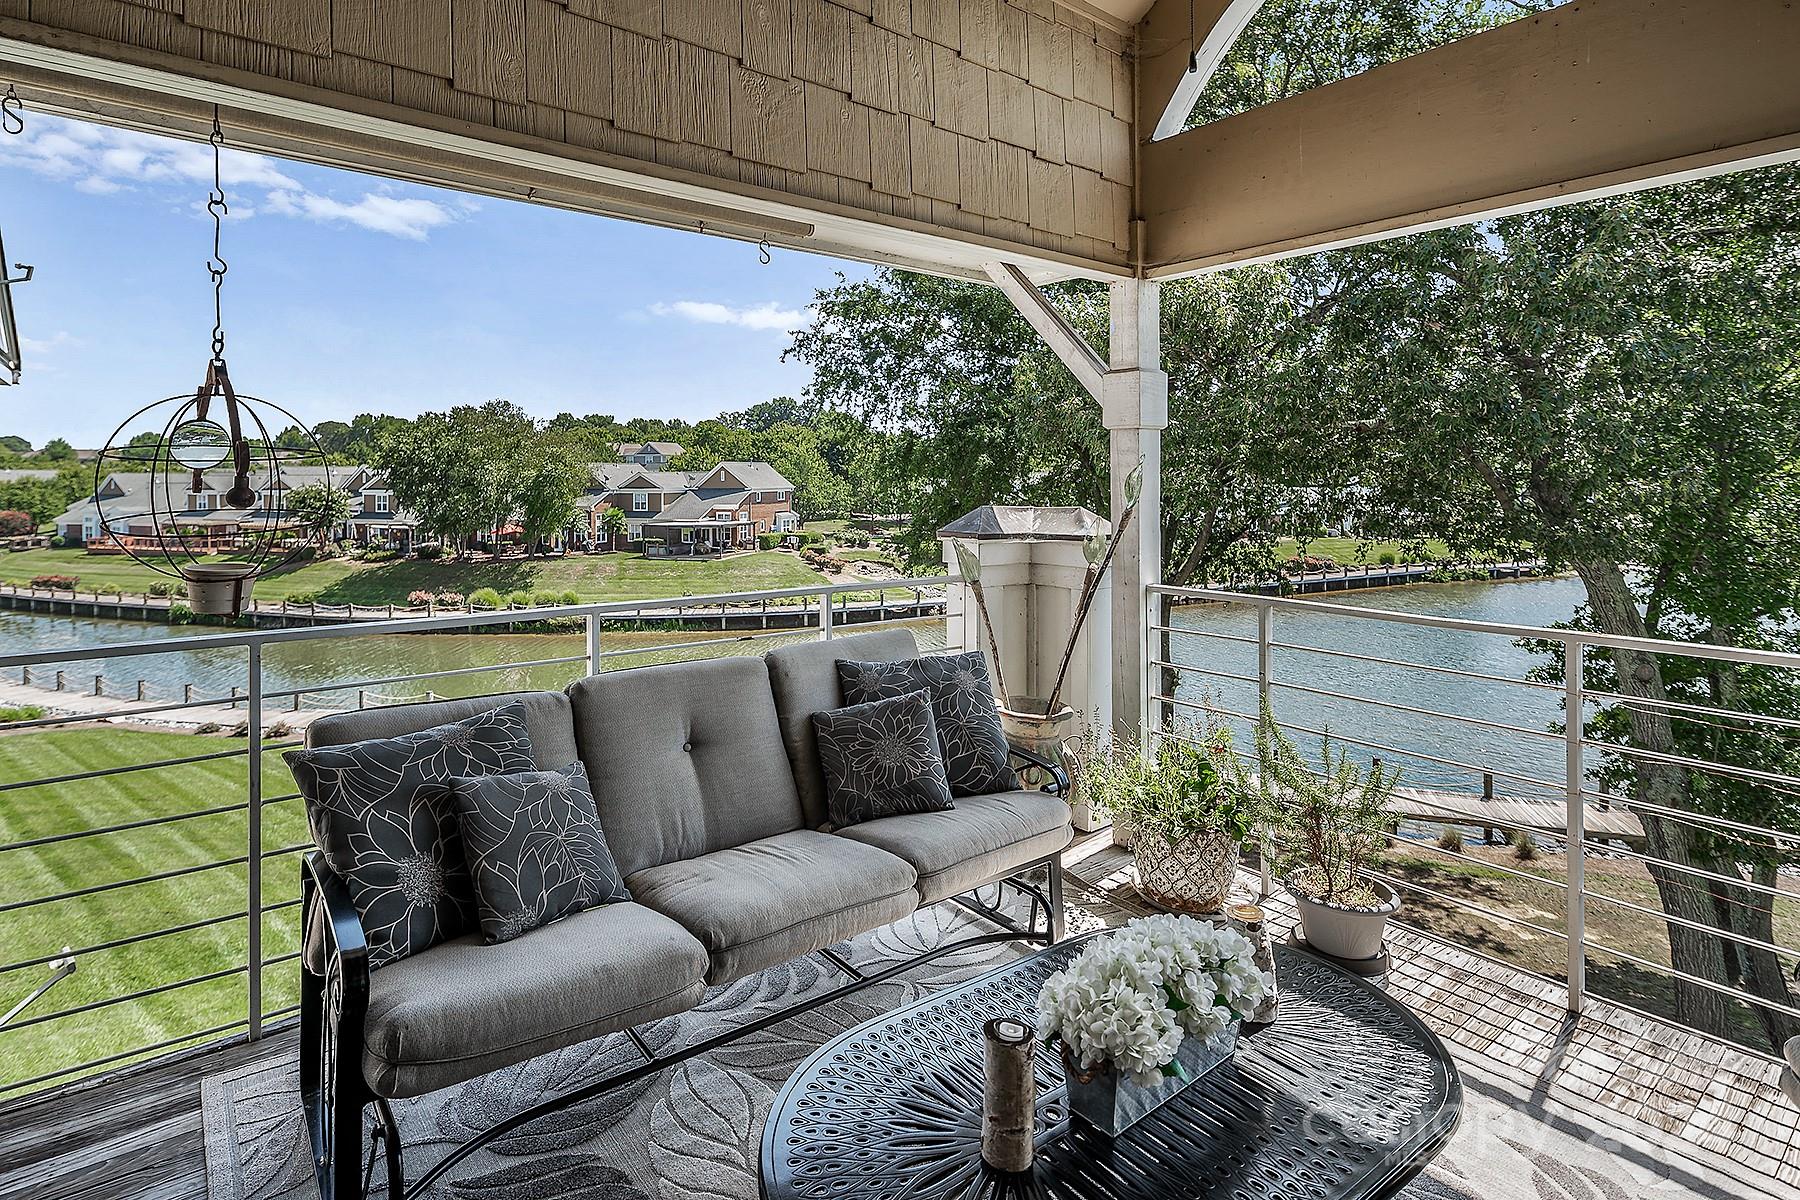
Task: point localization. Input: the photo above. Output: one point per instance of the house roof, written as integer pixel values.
(698, 507)
(754, 476)
(666, 449)
(613, 477)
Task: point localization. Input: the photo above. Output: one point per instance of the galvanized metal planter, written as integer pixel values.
(1111, 1102)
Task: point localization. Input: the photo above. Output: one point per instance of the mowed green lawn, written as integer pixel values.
(127, 912)
(341, 581)
(1354, 552)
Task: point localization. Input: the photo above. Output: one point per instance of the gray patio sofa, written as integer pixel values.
(709, 791)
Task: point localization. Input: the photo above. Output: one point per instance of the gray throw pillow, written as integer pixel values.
(534, 848)
(976, 757)
(376, 810)
(881, 759)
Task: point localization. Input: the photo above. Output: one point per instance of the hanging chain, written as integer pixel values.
(216, 266)
(1193, 50)
(10, 108)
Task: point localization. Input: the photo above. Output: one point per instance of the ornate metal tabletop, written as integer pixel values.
(1346, 1096)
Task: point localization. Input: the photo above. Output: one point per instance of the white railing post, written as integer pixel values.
(1575, 896)
(1265, 627)
(254, 865)
(593, 644)
(825, 616)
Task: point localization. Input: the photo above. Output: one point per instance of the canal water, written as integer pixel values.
(1516, 758)
(1313, 651)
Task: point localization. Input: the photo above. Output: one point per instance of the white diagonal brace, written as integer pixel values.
(1088, 367)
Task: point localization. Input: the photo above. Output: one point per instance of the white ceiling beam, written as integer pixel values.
(1087, 366)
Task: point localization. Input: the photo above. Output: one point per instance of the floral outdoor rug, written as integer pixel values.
(693, 1132)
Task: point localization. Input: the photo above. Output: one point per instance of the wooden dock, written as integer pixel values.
(1503, 813)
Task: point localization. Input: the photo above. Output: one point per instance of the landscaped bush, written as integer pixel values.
(571, 598)
(209, 727)
(519, 599)
(486, 597)
(20, 712)
(767, 541)
(62, 583)
(279, 729)
(14, 522)
(378, 554)
(1451, 839)
(546, 599)
(180, 614)
(303, 598)
(429, 552)
(161, 588)
(59, 541)
(449, 599)
(1388, 558)
(1525, 847)
(421, 599)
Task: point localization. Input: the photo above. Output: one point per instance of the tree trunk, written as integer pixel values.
(1691, 951)
(1751, 914)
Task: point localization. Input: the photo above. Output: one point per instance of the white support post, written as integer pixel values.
(825, 616)
(1134, 406)
(1575, 895)
(593, 644)
(1265, 630)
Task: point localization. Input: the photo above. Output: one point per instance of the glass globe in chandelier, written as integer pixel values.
(215, 488)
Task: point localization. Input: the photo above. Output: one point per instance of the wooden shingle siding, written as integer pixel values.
(1008, 118)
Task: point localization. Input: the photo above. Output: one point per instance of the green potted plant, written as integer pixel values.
(1187, 809)
(1327, 826)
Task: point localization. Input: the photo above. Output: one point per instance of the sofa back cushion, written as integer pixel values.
(684, 759)
(547, 723)
(804, 677)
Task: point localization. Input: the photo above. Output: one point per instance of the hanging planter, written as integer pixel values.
(188, 479)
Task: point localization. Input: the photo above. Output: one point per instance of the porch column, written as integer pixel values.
(1134, 403)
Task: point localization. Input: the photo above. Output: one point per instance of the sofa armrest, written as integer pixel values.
(334, 1000)
(1058, 784)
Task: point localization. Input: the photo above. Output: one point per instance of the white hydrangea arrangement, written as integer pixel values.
(1129, 998)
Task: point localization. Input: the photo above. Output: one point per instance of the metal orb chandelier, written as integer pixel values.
(196, 487)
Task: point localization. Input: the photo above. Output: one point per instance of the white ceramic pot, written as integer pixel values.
(1189, 876)
(1347, 933)
(219, 589)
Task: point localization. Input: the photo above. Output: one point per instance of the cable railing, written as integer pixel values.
(1634, 899)
(161, 863)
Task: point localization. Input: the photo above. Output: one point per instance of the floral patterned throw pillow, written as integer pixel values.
(962, 704)
(376, 810)
(881, 759)
(534, 848)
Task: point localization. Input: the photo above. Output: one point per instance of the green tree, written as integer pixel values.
(548, 488)
(613, 524)
(57, 450)
(319, 508)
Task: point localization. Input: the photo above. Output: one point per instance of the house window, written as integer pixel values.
(640, 502)
(200, 501)
(635, 531)
(756, 497)
(381, 503)
(687, 535)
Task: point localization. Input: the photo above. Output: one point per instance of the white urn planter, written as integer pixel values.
(218, 589)
(1353, 934)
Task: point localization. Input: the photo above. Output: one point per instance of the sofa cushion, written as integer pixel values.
(462, 1009)
(975, 752)
(534, 849)
(684, 759)
(378, 813)
(982, 838)
(778, 898)
(880, 759)
(804, 676)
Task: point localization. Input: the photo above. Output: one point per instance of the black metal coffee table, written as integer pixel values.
(1346, 1096)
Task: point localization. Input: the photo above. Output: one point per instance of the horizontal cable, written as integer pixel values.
(1205, 633)
(127, 998)
(1215, 673)
(1688, 816)
(1418, 666)
(117, 713)
(313, 689)
(1699, 926)
(1548, 881)
(145, 823)
(1733, 992)
(703, 642)
(1784, 783)
(277, 1013)
(1747, 884)
(1422, 712)
(129, 768)
(132, 940)
(96, 889)
(152, 1048)
(1459, 902)
(1699, 709)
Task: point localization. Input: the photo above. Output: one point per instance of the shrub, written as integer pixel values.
(429, 552)
(570, 598)
(279, 729)
(1388, 558)
(519, 599)
(1525, 847)
(58, 541)
(165, 589)
(59, 582)
(20, 712)
(448, 599)
(14, 522)
(209, 727)
(303, 598)
(767, 541)
(486, 597)
(1450, 839)
(241, 729)
(546, 599)
(180, 614)
(421, 599)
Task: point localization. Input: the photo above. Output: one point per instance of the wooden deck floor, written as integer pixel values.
(137, 1134)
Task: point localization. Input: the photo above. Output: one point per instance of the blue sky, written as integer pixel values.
(348, 293)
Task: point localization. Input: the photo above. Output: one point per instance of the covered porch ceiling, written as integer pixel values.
(941, 135)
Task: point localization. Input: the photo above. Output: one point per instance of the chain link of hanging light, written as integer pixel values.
(11, 108)
(217, 266)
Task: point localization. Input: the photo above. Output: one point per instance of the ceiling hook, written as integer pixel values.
(762, 252)
(10, 108)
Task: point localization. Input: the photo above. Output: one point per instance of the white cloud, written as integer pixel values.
(707, 312)
(407, 218)
(99, 161)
